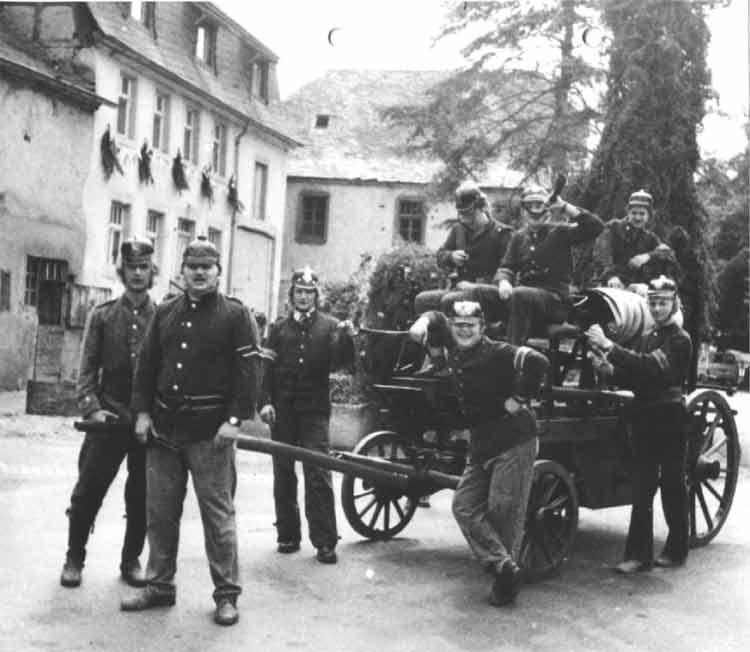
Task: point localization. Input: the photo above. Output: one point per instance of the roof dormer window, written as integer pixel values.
(205, 44)
(136, 10)
(322, 121)
(144, 12)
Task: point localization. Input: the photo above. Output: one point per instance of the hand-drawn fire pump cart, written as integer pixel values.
(584, 453)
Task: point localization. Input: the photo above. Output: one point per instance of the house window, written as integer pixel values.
(126, 106)
(4, 290)
(119, 221)
(411, 220)
(190, 138)
(312, 224)
(45, 287)
(322, 121)
(259, 191)
(185, 235)
(219, 149)
(160, 138)
(205, 44)
(214, 237)
(154, 230)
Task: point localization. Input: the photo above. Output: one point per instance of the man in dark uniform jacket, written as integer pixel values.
(539, 262)
(194, 385)
(656, 371)
(111, 344)
(472, 253)
(627, 249)
(494, 382)
(303, 348)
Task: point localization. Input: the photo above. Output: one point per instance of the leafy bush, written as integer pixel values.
(399, 275)
(349, 388)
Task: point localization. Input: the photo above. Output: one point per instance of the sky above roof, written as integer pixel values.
(398, 35)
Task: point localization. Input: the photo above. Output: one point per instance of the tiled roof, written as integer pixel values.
(358, 143)
(172, 51)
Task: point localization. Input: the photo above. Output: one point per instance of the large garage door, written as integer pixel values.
(253, 269)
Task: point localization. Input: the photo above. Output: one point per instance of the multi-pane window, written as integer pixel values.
(205, 44)
(185, 234)
(259, 191)
(4, 290)
(119, 220)
(411, 220)
(219, 149)
(154, 229)
(214, 237)
(126, 106)
(312, 224)
(160, 136)
(190, 137)
(45, 287)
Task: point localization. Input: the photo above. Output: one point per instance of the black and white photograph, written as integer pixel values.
(347, 326)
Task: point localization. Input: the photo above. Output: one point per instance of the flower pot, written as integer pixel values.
(349, 423)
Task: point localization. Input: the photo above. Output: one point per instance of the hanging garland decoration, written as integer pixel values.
(144, 164)
(178, 173)
(232, 196)
(207, 190)
(108, 149)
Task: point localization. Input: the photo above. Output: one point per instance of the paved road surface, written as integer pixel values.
(420, 592)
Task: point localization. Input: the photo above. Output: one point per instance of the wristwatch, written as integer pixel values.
(233, 421)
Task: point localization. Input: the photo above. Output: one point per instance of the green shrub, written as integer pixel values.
(348, 388)
(399, 275)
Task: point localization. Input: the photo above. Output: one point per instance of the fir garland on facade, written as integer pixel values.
(144, 164)
(178, 173)
(232, 196)
(207, 190)
(108, 149)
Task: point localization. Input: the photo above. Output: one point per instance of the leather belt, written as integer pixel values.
(190, 404)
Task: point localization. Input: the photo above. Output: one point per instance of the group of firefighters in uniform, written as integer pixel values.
(182, 375)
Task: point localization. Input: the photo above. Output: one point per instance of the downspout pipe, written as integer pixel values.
(233, 220)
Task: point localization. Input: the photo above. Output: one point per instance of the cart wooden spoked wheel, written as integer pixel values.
(713, 464)
(551, 520)
(373, 510)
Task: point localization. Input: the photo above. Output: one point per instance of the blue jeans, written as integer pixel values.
(214, 478)
(490, 504)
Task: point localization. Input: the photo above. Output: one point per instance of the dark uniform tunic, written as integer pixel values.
(490, 500)
(197, 367)
(656, 372)
(539, 262)
(111, 345)
(485, 247)
(303, 352)
(619, 242)
(542, 257)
